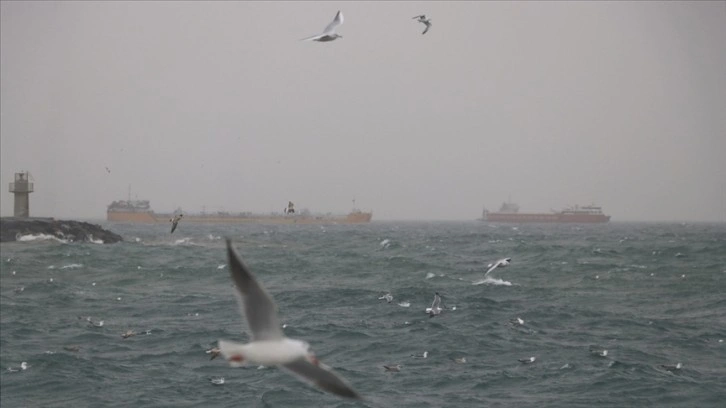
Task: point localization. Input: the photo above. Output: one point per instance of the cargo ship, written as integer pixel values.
(139, 211)
(509, 212)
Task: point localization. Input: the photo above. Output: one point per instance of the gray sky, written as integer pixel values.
(219, 104)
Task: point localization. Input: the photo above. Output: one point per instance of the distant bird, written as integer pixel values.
(393, 368)
(671, 368)
(329, 33)
(461, 360)
(129, 333)
(96, 324)
(498, 264)
(23, 366)
(175, 221)
(529, 360)
(424, 355)
(598, 352)
(435, 308)
(517, 321)
(214, 352)
(108, 170)
(388, 297)
(268, 345)
(72, 348)
(426, 21)
(19, 289)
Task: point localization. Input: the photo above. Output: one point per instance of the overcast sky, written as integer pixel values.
(219, 105)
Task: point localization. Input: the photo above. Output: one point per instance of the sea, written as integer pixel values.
(652, 294)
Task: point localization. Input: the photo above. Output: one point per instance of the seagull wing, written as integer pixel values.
(338, 20)
(493, 267)
(428, 25)
(173, 227)
(314, 37)
(321, 376)
(437, 302)
(256, 304)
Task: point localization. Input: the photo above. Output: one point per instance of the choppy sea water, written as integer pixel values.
(651, 294)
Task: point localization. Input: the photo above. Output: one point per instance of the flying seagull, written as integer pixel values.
(269, 346)
(426, 21)
(329, 33)
(435, 308)
(498, 264)
(175, 221)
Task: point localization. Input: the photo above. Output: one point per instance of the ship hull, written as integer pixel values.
(151, 218)
(546, 218)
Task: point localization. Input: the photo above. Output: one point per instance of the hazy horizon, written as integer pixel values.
(219, 105)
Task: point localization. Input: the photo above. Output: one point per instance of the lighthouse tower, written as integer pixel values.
(21, 188)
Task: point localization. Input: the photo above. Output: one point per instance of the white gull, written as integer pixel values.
(329, 33)
(269, 346)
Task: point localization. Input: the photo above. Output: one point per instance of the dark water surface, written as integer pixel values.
(650, 294)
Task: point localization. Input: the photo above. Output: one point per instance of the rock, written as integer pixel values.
(72, 231)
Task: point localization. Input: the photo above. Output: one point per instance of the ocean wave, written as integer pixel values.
(492, 281)
(40, 237)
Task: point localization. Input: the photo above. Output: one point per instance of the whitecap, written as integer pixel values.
(221, 266)
(385, 243)
(492, 281)
(72, 266)
(94, 241)
(39, 237)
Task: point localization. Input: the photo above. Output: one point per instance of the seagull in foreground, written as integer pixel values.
(526, 360)
(175, 221)
(426, 21)
(671, 368)
(388, 297)
(329, 33)
(500, 263)
(269, 346)
(435, 308)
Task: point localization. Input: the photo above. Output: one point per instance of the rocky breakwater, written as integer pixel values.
(28, 229)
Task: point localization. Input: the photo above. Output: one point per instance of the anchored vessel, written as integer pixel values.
(509, 212)
(139, 211)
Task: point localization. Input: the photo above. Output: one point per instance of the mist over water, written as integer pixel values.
(650, 294)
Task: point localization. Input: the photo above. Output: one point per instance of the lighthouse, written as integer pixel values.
(21, 188)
